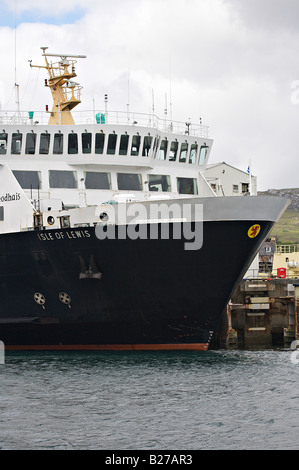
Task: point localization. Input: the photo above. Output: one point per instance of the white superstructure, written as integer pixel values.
(86, 159)
(82, 165)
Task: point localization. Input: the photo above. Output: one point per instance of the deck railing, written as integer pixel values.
(102, 118)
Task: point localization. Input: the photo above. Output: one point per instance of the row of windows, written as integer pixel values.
(111, 143)
(244, 187)
(102, 180)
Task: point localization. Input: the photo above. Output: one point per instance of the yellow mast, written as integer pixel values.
(65, 93)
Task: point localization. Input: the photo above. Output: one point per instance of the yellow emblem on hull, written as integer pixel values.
(254, 231)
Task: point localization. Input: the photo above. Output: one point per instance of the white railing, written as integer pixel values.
(108, 117)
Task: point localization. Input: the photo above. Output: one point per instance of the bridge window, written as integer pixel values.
(86, 142)
(3, 143)
(123, 146)
(73, 143)
(129, 181)
(97, 180)
(193, 153)
(100, 140)
(44, 143)
(147, 143)
(187, 186)
(159, 183)
(173, 151)
(163, 150)
(202, 154)
(30, 143)
(28, 179)
(63, 179)
(111, 144)
(135, 145)
(16, 143)
(156, 145)
(183, 152)
(58, 144)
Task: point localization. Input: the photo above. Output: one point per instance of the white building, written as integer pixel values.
(227, 180)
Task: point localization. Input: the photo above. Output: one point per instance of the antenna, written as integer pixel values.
(170, 88)
(165, 110)
(63, 56)
(106, 106)
(128, 103)
(16, 85)
(153, 103)
(15, 42)
(249, 176)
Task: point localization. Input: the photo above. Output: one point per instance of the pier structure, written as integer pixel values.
(262, 313)
(296, 286)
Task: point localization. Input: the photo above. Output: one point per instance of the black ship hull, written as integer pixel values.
(68, 290)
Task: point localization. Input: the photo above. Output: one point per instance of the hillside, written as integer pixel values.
(287, 228)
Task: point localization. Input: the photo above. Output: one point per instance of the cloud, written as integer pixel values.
(211, 58)
(275, 15)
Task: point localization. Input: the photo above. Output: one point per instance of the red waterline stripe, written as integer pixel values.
(110, 347)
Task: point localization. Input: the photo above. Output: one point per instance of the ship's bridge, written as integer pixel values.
(121, 135)
(71, 163)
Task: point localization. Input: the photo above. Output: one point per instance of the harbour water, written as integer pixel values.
(149, 400)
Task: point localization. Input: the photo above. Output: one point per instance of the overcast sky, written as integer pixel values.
(233, 63)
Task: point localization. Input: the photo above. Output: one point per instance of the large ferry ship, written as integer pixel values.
(111, 238)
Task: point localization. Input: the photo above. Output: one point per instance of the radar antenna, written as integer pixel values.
(66, 93)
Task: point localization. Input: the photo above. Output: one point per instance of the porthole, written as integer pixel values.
(104, 216)
(50, 220)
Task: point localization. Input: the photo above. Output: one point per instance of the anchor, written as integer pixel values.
(91, 272)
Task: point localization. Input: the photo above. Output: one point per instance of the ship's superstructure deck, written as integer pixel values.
(106, 116)
(81, 165)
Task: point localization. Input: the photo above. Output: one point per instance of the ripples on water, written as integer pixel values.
(149, 400)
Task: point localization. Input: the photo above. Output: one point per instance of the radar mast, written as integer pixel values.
(66, 93)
